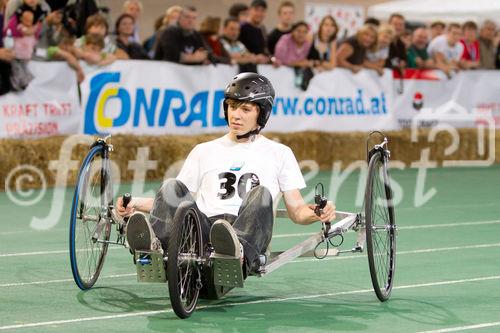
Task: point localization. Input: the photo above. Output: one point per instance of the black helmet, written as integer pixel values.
(251, 87)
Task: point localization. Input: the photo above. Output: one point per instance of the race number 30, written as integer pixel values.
(228, 181)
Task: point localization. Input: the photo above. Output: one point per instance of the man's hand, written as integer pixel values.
(122, 211)
(7, 54)
(197, 56)
(54, 17)
(327, 214)
(200, 55)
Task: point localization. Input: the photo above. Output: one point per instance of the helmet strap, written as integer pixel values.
(248, 134)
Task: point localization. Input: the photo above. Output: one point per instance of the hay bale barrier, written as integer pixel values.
(323, 147)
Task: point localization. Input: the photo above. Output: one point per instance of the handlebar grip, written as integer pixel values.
(126, 199)
(320, 204)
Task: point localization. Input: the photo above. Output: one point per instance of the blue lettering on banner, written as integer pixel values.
(218, 121)
(149, 110)
(332, 106)
(173, 106)
(155, 107)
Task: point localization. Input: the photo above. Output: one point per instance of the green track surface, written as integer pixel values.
(447, 275)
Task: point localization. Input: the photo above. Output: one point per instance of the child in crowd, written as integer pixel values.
(97, 24)
(14, 24)
(66, 51)
(24, 44)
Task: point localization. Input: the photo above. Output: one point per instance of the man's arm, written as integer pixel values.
(442, 63)
(303, 213)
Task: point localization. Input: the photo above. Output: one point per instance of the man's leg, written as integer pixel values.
(254, 224)
(170, 195)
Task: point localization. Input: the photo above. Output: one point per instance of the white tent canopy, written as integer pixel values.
(444, 10)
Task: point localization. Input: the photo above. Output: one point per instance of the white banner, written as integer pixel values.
(143, 97)
(48, 106)
(335, 101)
(146, 97)
(426, 98)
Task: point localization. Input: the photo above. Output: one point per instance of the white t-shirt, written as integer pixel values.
(381, 54)
(440, 44)
(222, 171)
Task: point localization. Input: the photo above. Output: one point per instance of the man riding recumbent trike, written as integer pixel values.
(209, 228)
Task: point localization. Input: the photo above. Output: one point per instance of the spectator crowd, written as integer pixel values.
(79, 32)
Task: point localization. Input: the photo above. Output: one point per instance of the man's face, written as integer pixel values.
(257, 14)
(437, 30)
(454, 35)
(243, 118)
(420, 38)
(232, 31)
(133, 10)
(286, 15)
(398, 24)
(488, 31)
(187, 19)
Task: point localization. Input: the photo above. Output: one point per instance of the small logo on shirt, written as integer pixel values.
(237, 166)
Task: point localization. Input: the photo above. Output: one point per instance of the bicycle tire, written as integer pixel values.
(87, 253)
(380, 227)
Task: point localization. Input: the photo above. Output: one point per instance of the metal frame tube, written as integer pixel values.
(309, 244)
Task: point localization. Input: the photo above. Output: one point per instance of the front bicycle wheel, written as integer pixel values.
(90, 225)
(185, 249)
(380, 227)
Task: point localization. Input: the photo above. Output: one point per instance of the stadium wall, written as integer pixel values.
(324, 148)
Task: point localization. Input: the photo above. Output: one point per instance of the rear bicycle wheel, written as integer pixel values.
(380, 227)
(90, 225)
(185, 249)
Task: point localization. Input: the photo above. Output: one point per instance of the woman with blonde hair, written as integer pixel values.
(352, 52)
(324, 47)
(377, 56)
(172, 15)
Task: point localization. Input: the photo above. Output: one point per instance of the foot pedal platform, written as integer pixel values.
(150, 266)
(227, 271)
